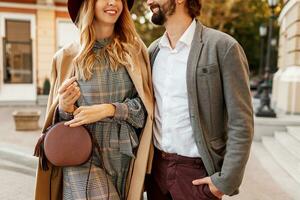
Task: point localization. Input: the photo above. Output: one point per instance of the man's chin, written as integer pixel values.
(157, 20)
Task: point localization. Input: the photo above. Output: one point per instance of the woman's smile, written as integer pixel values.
(111, 11)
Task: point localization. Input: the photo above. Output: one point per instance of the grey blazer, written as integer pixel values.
(220, 106)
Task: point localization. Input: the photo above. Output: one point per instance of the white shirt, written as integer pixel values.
(172, 128)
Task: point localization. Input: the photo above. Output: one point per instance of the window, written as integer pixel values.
(17, 52)
(67, 33)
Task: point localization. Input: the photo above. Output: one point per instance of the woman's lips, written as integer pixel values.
(111, 11)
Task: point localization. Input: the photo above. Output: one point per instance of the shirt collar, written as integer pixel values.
(164, 42)
(188, 35)
(186, 38)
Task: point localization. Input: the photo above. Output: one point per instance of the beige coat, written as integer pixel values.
(141, 77)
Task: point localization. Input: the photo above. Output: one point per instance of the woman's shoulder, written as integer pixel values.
(69, 50)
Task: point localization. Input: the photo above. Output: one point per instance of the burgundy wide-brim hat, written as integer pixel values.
(74, 6)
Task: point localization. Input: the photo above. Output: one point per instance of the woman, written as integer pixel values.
(111, 95)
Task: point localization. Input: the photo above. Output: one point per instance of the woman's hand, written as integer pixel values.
(69, 92)
(90, 114)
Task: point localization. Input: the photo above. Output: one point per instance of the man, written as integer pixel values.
(203, 112)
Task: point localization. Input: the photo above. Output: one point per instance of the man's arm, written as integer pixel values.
(235, 76)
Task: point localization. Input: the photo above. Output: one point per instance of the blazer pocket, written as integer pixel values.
(208, 69)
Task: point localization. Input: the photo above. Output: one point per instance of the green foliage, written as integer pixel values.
(46, 86)
(239, 18)
(141, 15)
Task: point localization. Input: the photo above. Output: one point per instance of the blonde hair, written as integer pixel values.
(119, 51)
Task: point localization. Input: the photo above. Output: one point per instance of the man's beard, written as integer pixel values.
(165, 10)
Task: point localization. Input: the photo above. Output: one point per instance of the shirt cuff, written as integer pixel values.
(65, 115)
(121, 112)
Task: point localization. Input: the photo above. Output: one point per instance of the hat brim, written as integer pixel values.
(74, 6)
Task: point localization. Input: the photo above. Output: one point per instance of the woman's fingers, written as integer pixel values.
(77, 121)
(75, 98)
(73, 85)
(70, 96)
(78, 110)
(66, 84)
(77, 124)
(66, 96)
(67, 93)
(71, 89)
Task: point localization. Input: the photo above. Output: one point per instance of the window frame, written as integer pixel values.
(6, 41)
(17, 17)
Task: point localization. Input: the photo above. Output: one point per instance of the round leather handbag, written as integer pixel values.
(65, 146)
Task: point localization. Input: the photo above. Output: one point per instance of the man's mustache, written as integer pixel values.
(152, 7)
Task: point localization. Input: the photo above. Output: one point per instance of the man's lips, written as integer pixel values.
(155, 8)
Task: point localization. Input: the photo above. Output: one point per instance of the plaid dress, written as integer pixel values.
(117, 136)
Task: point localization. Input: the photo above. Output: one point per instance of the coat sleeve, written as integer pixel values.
(235, 76)
(131, 110)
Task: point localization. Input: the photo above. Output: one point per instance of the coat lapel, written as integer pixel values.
(135, 74)
(64, 70)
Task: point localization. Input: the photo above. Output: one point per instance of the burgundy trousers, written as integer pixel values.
(172, 176)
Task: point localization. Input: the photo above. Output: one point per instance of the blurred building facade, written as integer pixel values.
(286, 81)
(31, 32)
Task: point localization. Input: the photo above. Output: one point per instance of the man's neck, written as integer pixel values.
(103, 31)
(175, 26)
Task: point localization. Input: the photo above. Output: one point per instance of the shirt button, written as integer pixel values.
(204, 70)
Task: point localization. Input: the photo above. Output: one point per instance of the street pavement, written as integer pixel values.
(17, 179)
(15, 182)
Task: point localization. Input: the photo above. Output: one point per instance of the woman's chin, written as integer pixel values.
(109, 21)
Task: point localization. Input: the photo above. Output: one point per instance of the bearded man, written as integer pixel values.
(203, 125)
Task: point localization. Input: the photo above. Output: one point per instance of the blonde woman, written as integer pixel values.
(110, 94)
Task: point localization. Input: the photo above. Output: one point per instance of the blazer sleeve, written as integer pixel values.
(235, 76)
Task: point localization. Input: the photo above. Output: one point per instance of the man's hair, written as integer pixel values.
(194, 7)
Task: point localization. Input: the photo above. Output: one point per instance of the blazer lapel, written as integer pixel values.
(154, 54)
(195, 52)
(194, 56)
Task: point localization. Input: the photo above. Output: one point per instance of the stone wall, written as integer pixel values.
(286, 82)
